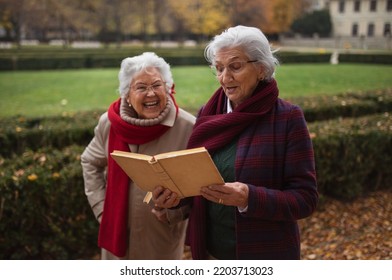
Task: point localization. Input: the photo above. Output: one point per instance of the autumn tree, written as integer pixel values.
(112, 20)
(248, 12)
(201, 17)
(12, 18)
(271, 16)
(278, 15)
(39, 18)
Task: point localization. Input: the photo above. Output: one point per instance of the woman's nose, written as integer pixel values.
(226, 76)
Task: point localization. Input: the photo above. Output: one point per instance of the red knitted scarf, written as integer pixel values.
(213, 130)
(113, 228)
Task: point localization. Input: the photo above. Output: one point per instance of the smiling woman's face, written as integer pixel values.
(147, 93)
(237, 74)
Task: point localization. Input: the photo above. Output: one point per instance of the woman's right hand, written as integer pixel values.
(164, 198)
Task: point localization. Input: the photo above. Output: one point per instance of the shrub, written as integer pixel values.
(39, 59)
(319, 108)
(353, 156)
(20, 133)
(52, 58)
(365, 58)
(303, 58)
(44, 211)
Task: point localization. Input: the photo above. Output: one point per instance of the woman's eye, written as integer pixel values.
(235, 66)
(141, 88)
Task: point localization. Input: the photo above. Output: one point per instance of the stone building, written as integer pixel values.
(361, 18)
(356, 24)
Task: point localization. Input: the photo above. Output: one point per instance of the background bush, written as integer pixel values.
(353, 156)
(47, 58)
(347, 105)
(44, 212)
(19, 133)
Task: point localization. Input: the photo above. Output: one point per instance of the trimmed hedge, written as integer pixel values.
(354, 155)
(44, 63)
(40, 59)
(44, 212)
(366, 58)
(303, 58)
(19, 133)
(319, 108)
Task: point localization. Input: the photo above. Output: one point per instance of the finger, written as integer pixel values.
(170, 199)
(156, 192)
(220, 188)
(159, 201)
(218, 200)
(173, 202)
(167, 200)
(168, 194)
(161, 198)
(210, 197)
(211, 192)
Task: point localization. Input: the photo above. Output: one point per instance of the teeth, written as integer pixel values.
(151, 103)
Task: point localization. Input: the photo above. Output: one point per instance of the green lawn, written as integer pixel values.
(42, 93)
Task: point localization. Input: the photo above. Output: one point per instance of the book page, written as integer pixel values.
(191, 171)
(131, 155)
(180, 153)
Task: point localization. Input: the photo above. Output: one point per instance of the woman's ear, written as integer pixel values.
(261, 75)
(129, 100)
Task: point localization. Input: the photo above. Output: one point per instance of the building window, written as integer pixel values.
(341, 6)
(387, 30)
(389, 5)
(370, 31)
(354, 30)
(357, 6)
(373, 5)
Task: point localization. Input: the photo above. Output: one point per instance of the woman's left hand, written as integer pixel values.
(230, 194)
(164, 198)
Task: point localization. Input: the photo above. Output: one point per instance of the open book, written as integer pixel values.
(183, 172)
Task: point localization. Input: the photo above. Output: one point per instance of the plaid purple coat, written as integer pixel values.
(275, 159)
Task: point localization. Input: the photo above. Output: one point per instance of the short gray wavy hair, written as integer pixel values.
(251, 40)
(131, 66)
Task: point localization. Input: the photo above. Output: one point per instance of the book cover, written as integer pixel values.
(183, 172)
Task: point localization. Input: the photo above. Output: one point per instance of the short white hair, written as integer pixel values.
(131, 66)
(251, 40)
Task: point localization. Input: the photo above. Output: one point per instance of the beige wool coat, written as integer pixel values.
(149, 238)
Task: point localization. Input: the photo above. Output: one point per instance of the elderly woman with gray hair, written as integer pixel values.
(261, 146)
(147, 120)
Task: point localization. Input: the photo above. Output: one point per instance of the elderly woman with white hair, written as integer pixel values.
(261, 146)
(147, 120)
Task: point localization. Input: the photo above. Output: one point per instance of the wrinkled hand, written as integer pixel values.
(164, 198)
(230, 194)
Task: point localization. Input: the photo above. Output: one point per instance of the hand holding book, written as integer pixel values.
(165, 198)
